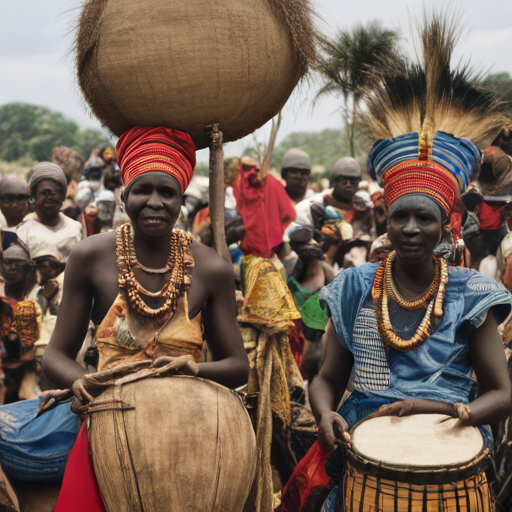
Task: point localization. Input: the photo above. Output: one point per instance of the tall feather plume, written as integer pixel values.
(430, 96)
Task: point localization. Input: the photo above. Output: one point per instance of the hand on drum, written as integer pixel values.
(332, 431)
(182, 365)
(402, 408)
(49, 398)
(84, 390)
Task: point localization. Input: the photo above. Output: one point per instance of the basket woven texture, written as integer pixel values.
(187, 65)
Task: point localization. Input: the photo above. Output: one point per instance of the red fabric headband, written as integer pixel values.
(420, 177)
(143, 150)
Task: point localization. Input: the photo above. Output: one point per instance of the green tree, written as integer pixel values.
(86, 140)
(500, 83)
(32, 131)
(343, 64)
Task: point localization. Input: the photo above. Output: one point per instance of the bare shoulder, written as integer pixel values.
(209, 264)
(93, 249)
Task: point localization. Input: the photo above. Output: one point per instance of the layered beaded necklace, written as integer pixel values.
(179, 262)
(432, 300)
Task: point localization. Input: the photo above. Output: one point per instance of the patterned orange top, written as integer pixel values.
(125, 336)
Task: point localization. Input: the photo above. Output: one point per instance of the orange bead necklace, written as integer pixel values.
(178, 263)
(383, 288)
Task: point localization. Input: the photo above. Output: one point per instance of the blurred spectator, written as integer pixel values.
(13, 201)
(363, 221)
(379, 208)
(380, 249)
(310, 274)
(265, 208)
(47, 224)
(20, 373)
(72, 165)
(99, 216)
(345, 177)
(504, 259)
(296, 171)
(10, 347)
(93, 168)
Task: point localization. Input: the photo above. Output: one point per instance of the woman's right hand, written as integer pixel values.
(48, 398)
(332, 431)
(81, 390)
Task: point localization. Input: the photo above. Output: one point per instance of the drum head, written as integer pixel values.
(419, 440)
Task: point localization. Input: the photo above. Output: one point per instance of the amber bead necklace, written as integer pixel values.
(179, 261)
(415, 304)
(383, 288)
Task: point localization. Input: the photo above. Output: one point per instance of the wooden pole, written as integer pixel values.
(267, 157)
(217, 193)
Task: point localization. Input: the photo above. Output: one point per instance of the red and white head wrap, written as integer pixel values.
(143, 150)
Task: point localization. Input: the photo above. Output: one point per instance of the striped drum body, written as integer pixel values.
(416, 463)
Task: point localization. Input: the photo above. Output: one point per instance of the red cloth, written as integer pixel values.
(279, 210)
(142, 150)
(265, 209)
(309, 485)
(80, 491)
(250, 204)
(297, 341)
(489, 217)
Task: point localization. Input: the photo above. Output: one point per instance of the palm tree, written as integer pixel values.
(344, 61)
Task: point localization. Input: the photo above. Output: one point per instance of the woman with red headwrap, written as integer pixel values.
(114, 279)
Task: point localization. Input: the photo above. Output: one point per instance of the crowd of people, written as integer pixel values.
(315, 235)
(309, 237)
(381, 291)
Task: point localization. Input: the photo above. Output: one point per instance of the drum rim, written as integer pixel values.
(418, 475)
(120, 406)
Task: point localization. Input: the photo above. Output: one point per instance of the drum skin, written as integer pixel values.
(187, 445)
(422, 440)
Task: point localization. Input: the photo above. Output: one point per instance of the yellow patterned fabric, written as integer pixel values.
(266, 320)
(267, 298)
(26, 322)
(125, 336)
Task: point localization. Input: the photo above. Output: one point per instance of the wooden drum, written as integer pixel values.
(418, 464)
(172, 444)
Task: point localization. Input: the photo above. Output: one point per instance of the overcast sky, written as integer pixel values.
(36, 65)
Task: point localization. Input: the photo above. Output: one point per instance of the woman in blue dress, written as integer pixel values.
(411, 329)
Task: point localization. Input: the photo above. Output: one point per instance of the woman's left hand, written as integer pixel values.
(402, 408)
(182, 365)
(48, 398)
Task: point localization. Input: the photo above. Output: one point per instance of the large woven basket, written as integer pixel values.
(189, 64)
(172, 444)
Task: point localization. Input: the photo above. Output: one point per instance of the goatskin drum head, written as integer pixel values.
(419, 440)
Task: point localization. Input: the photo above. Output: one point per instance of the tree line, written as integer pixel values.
(30, 132)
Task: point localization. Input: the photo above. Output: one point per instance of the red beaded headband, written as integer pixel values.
(420, 177)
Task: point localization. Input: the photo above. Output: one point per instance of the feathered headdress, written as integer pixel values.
(430, 120)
